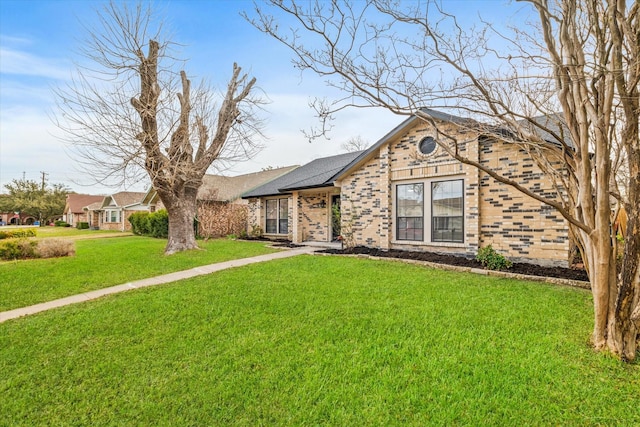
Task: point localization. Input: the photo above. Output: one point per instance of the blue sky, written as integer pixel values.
(37, 44)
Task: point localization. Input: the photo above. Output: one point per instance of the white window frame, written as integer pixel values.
(428, 212)
(279, 228)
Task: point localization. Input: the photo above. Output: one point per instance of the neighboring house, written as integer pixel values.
(113, 211)
(221, 210)
(16, 218)
(74, 208)
(405, 192)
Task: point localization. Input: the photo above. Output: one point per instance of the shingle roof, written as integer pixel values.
(75, 202)
(230, 188)
(554, 123)
(317, 173)
(126, 198)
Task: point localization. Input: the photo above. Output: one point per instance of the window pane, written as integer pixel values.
(271, 224)
(447, 224)
(272, 209)
(410, 200)
(283, 217)
(446, 198)
(409, 213)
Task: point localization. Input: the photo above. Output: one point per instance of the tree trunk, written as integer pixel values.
(627, 307)
(182, 211)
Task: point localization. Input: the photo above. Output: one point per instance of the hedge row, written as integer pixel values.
(17, 233)
(24, 249)
(154, 224)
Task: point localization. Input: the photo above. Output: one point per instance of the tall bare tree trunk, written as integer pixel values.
(181, 209)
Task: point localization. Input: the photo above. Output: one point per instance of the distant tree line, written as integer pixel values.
(39, 200)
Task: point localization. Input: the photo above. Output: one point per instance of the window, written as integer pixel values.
(277, 216)
(410, 211)
(447, 211)
(112, 216)
(427, 145)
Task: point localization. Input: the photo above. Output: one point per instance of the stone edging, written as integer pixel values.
(552, 280)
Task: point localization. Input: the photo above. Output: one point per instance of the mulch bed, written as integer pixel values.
(519, 268)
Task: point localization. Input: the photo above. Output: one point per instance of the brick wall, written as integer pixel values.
(314, 221)
(218, 219)
(516, 225)
(512, 222)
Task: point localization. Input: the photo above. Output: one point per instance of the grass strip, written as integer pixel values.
(100, 263)
(318, 340)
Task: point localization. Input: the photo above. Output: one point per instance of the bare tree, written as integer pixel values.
(353, 144)
(132, 110)
(570, 77)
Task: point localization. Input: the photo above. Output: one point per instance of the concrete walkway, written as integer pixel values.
(152, 281)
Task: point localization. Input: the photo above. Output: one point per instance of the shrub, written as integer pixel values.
(256, 231)
(9, 250)
(154, 224)
(53, 248)
(82, 226)
(492, 260)
(140, 223)
(61, 223)
(159, 224)
(18, 249)
(18, 233)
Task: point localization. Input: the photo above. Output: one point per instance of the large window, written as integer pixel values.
(410, 211)
(277, 216)
(447, 211)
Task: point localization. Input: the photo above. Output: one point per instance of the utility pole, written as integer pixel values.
(44, 174)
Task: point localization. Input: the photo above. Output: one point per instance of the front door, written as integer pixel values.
(335, 217)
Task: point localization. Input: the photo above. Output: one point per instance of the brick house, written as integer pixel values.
(221, 210)
(405, 192)
(112, 211)
(74, 208)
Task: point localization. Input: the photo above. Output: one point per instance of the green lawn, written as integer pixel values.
(45, 232)
(318, 341)
(100, 263)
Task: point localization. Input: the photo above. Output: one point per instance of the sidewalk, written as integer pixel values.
(152, 281)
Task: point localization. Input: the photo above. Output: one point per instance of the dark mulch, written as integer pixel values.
(520, 268)
(278, 243)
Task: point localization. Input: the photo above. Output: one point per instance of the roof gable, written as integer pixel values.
(76, 202)
(123, 198)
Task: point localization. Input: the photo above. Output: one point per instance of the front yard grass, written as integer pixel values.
(100, 263)
(318, 340)
(72, 232)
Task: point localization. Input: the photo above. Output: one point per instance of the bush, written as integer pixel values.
(18, 249)
(256, 231)
(492, 260)
(10, 250)
(53, 248)
(159, 224)
(26, 249)
(154, 224)
(82, 226)
(140, 223)
(18, 233)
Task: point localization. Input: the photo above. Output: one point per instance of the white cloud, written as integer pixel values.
(26, 64)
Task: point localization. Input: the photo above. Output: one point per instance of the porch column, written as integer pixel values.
(385, 223)
(294, 220)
